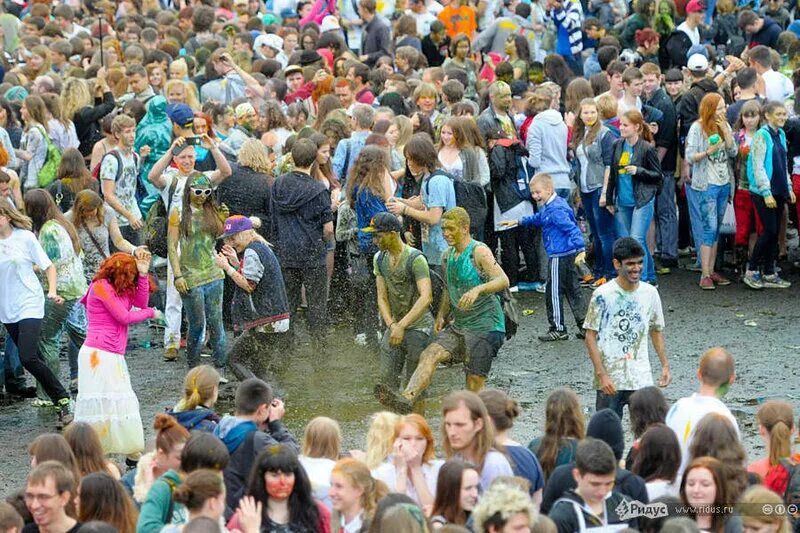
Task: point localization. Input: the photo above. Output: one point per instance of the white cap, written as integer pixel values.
(269, 39)
(329, 23)
(697, 63)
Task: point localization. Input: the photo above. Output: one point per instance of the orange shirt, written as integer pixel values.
(459, 19)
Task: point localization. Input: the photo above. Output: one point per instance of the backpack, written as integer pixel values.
(114, 152)
(155, 224)
(791, 496)
(52, 160)
(436, 279)
(470, 196)
(508, 303)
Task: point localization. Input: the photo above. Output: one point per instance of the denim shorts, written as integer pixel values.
(712, 203)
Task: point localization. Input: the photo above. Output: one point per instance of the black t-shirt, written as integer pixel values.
(33, 528)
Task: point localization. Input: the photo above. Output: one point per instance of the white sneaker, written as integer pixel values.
(361, 339)
(513, 289)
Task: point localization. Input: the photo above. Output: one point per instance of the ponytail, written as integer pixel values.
(777, 417)
(780, 442)
(198, 387)
(373, 493)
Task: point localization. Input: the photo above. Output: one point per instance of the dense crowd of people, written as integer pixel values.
(245, 174)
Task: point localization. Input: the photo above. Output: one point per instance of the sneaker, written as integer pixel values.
(694, 267)
(599, 282)
(685, 252)
(707, 284)
(775, 282)
(663, 270)
(392, 399)
(587, 281)
(64, 413)
(753, 280)
(514, 289)
(541, 288)
(553, 335)
(73, 386)
(40, 403)
(222, 379)
(529, 285)
(170, 354)
(581, 334)
(720, 280)
(361, 339)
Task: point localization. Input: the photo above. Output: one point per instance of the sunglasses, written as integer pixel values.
(202, 192)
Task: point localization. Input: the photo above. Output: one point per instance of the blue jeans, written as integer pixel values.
(604, 233)
(667, 219)
(713, 202)
(203, 306)
(11, 373)
(635, 222)
(615, 402)
(693, 201)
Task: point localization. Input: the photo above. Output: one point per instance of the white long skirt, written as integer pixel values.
(107, 402)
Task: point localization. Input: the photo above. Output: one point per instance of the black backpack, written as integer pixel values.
(791, 496)
(470, 196)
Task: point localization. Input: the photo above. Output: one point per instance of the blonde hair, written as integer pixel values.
(406, 130)
(607, 106)
(253, 154)
(189, 91)
(755, 498)
(380, 438)
(181, 64)
(198, 387)
(358, 475)
(544, 180)
(15, 217)
(501, 502)
(74, 96)
(322, 438)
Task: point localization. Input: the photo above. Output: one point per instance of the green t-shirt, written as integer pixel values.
(69, 269)
(197, 254)
(401, 290)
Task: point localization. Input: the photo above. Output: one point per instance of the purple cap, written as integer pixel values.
(236, 224)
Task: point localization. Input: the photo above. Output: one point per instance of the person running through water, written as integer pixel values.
(404, 296)
(470, 325)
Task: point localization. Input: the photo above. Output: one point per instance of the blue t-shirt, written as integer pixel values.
(367, 206)
(625, 196)
(437, 191)
(526, 465)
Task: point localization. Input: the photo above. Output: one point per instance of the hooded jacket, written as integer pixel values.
(301, 206)
(571, 514)
(155, 131)
(688, 107)
(560, 230)
(547, 147)
(244, 442)
(504, 160)
(198, 419)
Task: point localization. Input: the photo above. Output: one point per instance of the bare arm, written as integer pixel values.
(173, 235)
(116, 237)
(223, 167)
(420, 305)
(431, 216)
(498, 280)
(383, 302)
(597, 362)
(657, 336)
(327, 231)
(109, 191)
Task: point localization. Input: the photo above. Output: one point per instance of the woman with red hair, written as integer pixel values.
(411, 468)
(106, 400)
(710, 150)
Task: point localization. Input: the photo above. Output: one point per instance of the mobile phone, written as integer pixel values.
(194, 140)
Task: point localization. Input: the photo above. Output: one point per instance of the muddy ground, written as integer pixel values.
(338, 381)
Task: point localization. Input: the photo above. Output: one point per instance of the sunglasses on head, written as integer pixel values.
(201, 192)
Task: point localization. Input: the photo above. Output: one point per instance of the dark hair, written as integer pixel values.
(606, 55)
(384, 505)
(761, 55)
(627, 248)
(594, 456)
(303, 510)
(198, 487)
(304, 153)
(721, 497)
(253, 393)
(42, 208)
(104, 498)
(448, 491)
(96, 526)
(746, 77)
(86, 446)
(204, 450)
(457, 74)
(746, 18)
(502, 408)
(647, 406)
(421, 150)
(659, 454)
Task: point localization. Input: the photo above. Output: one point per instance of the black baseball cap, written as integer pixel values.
(383, 222)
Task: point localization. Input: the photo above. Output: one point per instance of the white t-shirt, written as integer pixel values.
(423, 21)
(18, 254)
(694, 34)
(387, 473)
(778, 87)
(319, 474)
(661, 487)
(623, 320)
(686, 413)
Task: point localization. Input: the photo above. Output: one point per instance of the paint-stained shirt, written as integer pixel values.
(197, 253)
(58, 246)
(623, 320)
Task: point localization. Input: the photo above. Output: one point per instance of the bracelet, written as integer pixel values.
(178, 277)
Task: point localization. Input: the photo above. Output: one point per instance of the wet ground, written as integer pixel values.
(338, 380)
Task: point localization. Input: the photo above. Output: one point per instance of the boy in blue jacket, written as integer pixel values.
(564, 245)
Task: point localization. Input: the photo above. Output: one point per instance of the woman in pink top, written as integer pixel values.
(106, 400)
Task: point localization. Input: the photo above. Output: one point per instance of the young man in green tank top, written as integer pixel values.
(470, 325)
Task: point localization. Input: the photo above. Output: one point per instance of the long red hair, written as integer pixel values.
(120, 271)
(421, 425)
(707, 114)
